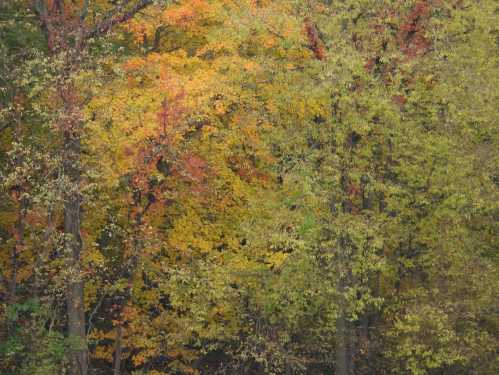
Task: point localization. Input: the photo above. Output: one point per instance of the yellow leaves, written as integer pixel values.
(149, 296)
(219, 108)
(251, 66)
(24, 273)
(208, 130)
(271, 106)
(140, 358)
(94, 256)
(277, 259)
(190, 233)
(129, 313)
(104, 352)
(269, 41)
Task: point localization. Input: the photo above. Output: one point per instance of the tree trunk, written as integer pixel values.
(345, 341)
(44, 251)
(59, 29)
(18, 245)
(65, 31)
(72, 220)
(342, 345)
(117, 351)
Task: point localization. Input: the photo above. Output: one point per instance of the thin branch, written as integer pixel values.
(4, 127)
(84, 11)
(4, 281)
(115, 19)
(157, 38)
(59, 6)
(94, 311)
(45, 19)
(41, 11)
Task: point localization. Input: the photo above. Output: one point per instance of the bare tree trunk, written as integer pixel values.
(117, 351)
(352, 346)
(72, 223)
(345, 342)
(342, 344)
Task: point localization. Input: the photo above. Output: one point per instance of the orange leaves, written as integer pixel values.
(134, 63)
(187, 14)
(139, 30)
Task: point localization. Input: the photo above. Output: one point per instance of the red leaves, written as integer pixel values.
(15, 192)
(314, 41)
(369, 65)
(246, 169)
(194, 167)
(353, 190)
(170, 113)
(411, 38)
(400, 100)
(190, 167)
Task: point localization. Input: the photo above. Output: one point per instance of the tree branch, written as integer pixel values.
(94, 311)
(84, 10)
(41, 11)
(115, 19)
(4, 127)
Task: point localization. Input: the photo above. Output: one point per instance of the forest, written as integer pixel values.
(249, 187)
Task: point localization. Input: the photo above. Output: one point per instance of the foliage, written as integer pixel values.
(267, 187)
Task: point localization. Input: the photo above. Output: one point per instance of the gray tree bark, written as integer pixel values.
(117, 351)
(72, 223)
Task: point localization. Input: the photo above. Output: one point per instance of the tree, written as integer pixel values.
(67, 33)
(250, 187)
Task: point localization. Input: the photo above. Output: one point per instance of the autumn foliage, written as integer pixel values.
(251, 187)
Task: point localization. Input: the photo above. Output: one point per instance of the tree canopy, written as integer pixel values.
(249, 187)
